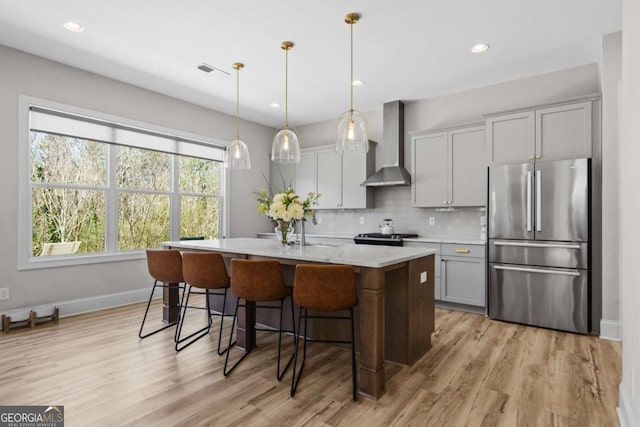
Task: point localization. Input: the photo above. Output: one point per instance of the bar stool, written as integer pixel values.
(257, 281)
(206, 271)
(324, 288)
(165, 266)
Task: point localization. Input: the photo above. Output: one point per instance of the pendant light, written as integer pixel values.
(352, 125)
(237, 155)
(286, 148)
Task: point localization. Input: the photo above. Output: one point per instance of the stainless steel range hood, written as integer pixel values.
(392, 172)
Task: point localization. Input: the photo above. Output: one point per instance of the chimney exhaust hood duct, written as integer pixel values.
(393, 172)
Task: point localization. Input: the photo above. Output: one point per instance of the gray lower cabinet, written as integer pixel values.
(462, 274)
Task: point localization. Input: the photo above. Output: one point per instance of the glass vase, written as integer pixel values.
(284, 231)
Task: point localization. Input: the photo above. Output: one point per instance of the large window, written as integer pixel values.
(98, 188)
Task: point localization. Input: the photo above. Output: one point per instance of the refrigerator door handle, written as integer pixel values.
(537, 245)
(537, 270)
(528, 200)
(538, 200)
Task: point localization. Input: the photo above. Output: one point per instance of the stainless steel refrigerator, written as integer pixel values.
(538, 215)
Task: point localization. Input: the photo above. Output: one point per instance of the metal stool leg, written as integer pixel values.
(296, 377)
(353, 357)
(297, 374)
(226, 359)
(279, 374)
(195, 336)
(144, 319)
(222, 316)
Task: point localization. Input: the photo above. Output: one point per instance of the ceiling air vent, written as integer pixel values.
(210, 68)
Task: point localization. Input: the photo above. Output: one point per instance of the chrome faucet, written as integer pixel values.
(302, 234)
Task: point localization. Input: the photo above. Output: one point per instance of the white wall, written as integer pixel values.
(629, 208)
(610, 76)
(22, 73)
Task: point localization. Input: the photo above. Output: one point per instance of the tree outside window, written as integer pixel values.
(73, 196)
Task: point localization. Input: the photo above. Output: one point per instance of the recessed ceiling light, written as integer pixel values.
(358, 83)
(73, 26)
(274, 105)
(479, 48)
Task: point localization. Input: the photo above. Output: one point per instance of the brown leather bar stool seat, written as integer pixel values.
(259, 281)
(324, 288)
(204, 271)
(165, 267)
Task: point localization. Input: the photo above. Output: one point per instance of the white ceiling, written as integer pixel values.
(404, 49)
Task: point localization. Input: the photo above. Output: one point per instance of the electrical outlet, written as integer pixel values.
(423, 277)
(483, 220)
(361, 220)
(432, 220)
(4, 294)
(319, 219)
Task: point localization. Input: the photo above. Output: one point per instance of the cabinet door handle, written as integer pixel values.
(531, 157)
(538, 200)
(462, 251)
(538, 157)
(528, 200)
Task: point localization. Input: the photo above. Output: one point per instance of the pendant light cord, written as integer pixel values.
(286, 88)
(238, 103)
(351, 81)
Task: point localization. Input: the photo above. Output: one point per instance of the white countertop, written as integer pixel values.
(453, 240)
(350, 254)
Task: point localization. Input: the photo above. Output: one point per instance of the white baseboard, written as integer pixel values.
(87, 305)
(625, 411)
(610, 330)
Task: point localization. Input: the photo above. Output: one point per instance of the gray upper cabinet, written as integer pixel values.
(336, 177)
(511, 137)
(430, 171)
(468, 167)
(305, 174)
(564, 132)
(449, 167)
(329, 182)
(556, 132)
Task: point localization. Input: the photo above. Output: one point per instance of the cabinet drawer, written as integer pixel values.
(472, 251)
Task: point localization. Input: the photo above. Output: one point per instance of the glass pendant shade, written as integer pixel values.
(352, 132)
(286, 148)
(238, 155)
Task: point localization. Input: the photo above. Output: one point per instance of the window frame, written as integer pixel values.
(111, 254)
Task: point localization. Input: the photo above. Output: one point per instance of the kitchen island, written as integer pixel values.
(396, 295)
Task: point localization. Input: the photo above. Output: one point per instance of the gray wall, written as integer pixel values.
(435, 113)
(610, 76)
(22, 73)
(629, 208)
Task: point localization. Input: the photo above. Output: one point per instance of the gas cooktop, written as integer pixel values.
(382, 239)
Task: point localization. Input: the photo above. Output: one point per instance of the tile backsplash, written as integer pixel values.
(395, 203)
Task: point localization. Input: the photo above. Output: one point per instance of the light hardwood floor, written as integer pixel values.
(479, 372)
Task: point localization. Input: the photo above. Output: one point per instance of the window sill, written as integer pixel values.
(34, 263)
